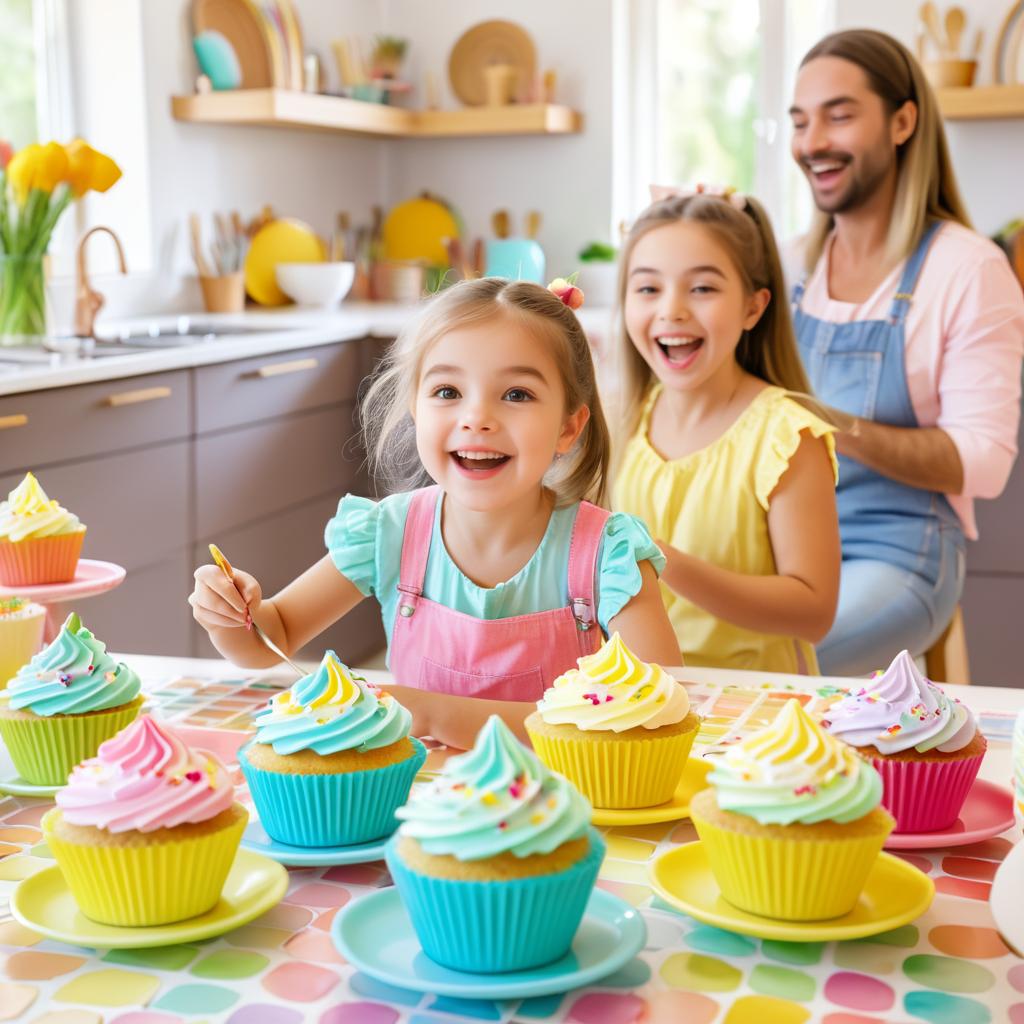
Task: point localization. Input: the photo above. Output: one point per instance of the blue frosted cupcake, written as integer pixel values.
(495, 859)
(331, 761)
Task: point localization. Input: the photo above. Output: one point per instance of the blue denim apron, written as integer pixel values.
(860, 368)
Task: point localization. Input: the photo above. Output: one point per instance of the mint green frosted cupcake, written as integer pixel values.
(64, 703)
(331, 761)
(495, 859)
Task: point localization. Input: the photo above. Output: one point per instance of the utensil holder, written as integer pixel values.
(224, 293)
(948, 73)
(397, 281)
(499, 84)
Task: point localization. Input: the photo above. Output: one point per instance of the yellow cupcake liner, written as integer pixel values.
(44, 748)
(618, 772)
(794, 879)
(156, 882)
(21, 637)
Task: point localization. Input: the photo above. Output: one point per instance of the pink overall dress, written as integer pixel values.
(436, 648)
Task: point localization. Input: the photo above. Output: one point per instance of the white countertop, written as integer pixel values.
(275, 330)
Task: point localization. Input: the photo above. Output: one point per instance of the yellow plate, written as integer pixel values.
(281, 241)
(693, 781)
(416, 230)
(43, 902)
(894, 894)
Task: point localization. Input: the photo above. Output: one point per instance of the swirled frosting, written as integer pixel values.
(330, 710)
(900, 709)
(146, 778)
(793, 771)
(28, 513)
(614, 690)
(496, 798)
(72, 675)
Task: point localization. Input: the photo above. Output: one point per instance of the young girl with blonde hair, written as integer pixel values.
(496, 578)
(732, 474)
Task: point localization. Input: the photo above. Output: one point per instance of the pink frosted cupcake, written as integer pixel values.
(40, 542)
(926, 746)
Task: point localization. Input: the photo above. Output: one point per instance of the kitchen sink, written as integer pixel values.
(183, 331)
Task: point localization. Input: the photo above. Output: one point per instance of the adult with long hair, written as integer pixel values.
(911, 326)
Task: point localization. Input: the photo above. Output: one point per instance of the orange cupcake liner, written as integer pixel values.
(28, 563)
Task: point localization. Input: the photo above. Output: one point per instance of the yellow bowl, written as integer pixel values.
(281, 241)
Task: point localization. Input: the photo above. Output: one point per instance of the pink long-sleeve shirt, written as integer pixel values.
(963, 351)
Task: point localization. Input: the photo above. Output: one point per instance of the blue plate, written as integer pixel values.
(375, 935)
(255, 839)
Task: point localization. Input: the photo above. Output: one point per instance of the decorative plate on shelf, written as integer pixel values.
(284, 240)
(241, 24)
(490, 42)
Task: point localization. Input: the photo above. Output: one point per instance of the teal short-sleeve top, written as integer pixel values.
(364, 540)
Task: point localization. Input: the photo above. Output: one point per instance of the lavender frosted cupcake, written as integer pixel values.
(926, 746)
(331, 761)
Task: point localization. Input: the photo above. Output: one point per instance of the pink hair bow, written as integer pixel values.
(737, 199)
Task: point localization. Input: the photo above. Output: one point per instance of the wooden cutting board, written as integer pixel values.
(242, 25)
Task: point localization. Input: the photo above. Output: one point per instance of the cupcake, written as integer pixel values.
(146, 831)
(792, 821)
(40, 542)
(21, 634)
(495, 859)
(620, 730)
(926, 746)
(331, 761)
(59, 708)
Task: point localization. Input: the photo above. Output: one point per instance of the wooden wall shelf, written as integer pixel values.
(981, 102)
(281, 107)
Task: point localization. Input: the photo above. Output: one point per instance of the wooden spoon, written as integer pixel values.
(533, 224)
(955, 22)
(197, 247)
(499, 223)
(929, 15)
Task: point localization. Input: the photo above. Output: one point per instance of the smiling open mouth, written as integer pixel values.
(479, 462)
(680, 352)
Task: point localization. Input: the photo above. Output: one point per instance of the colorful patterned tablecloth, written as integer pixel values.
(948, 967)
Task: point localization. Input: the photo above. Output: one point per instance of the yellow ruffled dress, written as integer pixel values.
(713, 504)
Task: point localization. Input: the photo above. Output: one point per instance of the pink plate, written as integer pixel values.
(91, 578)
(987, 811)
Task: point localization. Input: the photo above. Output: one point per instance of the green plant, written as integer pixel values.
(598, 252)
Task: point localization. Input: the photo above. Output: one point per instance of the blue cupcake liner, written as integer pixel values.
(339, 809)
(487, 927)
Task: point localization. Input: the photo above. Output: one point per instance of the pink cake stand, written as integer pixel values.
(91, 578)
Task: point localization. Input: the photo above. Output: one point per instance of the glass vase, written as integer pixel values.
(23, 318)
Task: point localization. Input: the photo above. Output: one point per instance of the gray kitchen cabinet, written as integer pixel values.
(993, 598)
(252, 454)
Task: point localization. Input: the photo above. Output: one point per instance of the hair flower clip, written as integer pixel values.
(727, 192)
(565, 289)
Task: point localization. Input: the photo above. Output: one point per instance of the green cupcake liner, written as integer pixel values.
(45, 749)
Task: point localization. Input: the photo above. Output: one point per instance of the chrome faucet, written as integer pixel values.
(88, 301)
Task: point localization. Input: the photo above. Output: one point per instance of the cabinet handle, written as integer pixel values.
(134, 397)
(19, 419)
(295, 366)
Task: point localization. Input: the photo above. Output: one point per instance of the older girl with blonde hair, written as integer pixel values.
(732, 474)
(498, 576)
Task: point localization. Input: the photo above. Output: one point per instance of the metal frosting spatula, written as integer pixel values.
(225, 567)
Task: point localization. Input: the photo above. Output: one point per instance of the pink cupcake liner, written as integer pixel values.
(27, 563)
(926, 796)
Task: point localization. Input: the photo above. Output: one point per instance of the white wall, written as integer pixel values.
(988, 155)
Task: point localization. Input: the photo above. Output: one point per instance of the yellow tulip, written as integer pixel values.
(89, 169)
(37, 166)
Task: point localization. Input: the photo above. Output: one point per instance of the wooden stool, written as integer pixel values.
(946, 660)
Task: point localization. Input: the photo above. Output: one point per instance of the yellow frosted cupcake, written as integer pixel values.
(619, 729)
(793, 821)
(40, 542)
(21, 634)
(59, 708)
(146, 832)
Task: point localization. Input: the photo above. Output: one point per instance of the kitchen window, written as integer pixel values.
(702, 87)
(76, 69)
